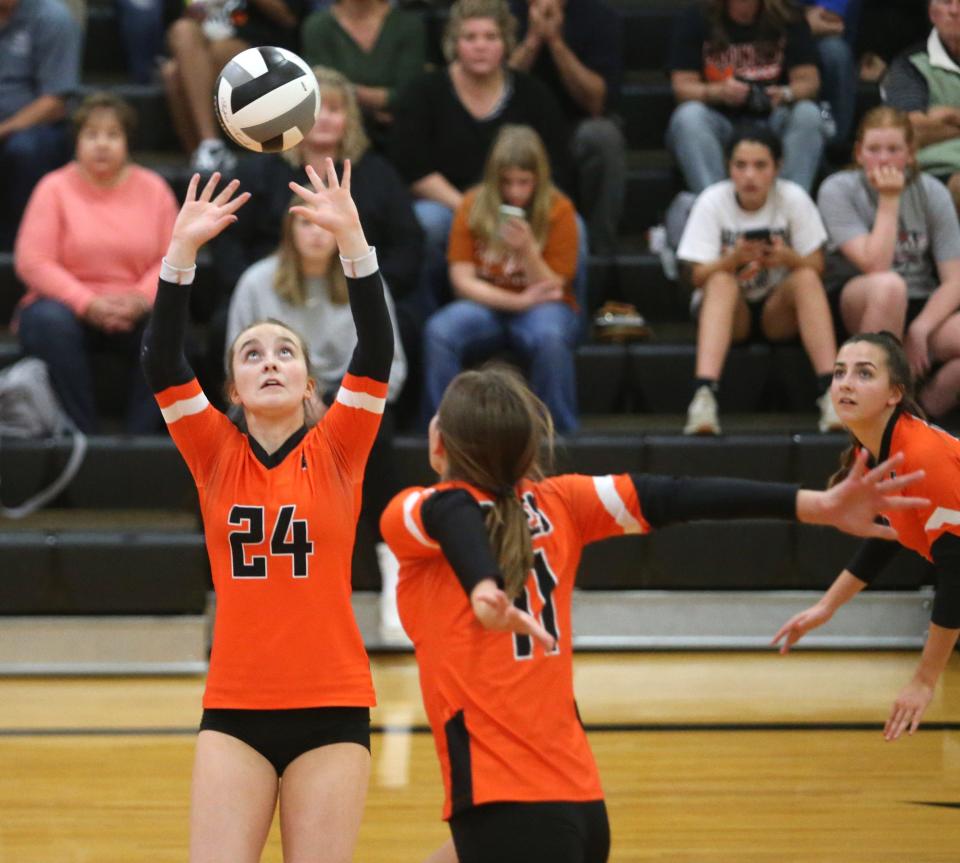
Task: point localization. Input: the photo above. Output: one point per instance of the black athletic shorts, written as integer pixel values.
(555, 832)
(282, 735)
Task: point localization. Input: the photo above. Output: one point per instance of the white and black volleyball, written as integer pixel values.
(267, 99)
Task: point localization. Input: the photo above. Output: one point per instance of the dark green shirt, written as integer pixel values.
(397, 56)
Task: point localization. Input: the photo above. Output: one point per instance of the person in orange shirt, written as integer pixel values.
(873, 393)
(513, 256)
(289, 690)
(495, 547)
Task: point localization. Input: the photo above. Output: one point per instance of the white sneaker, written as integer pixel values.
(213, 155)
(391, 630)
(702, 413)
(829, 421)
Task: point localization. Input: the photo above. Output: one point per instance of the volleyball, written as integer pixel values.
(267, 99)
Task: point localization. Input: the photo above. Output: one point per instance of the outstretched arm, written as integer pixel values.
(200, 219)
(330, 205)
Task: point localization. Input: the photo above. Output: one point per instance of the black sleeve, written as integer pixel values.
(391, 225)
(801, 49)
(412, 127)
(668, 500)
(373, 354)
(686, 41)
(161, 350)
(547, 119)
(871, 557)
(946, 602)
(454, 519)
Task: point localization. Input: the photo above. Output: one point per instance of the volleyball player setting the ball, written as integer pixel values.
(873, 392)
(288, 696)
(495, 547)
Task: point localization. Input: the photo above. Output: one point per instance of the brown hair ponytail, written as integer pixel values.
(493, 429)
(898, 367)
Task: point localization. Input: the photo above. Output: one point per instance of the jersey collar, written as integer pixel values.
(271, 460)
(887, 438)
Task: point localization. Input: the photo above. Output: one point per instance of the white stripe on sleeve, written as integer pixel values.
(613, 503)
(184, 408)
(364, 401)
(409, 502)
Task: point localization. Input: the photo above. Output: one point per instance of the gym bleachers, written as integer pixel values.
(124, 538)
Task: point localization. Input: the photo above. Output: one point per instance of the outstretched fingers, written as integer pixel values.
(895, 483)
(226, 193)
(192, 188)
(877, 474)
(211, 184)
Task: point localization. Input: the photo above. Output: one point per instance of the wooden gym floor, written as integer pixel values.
(706, 758)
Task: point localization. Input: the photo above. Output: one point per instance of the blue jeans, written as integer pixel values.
(698, 135)
(141, 23)
(544, 336)
(839, 74)
(51, 331)
(25, 157)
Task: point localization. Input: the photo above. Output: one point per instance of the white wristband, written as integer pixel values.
(365, 265)
(177, 275)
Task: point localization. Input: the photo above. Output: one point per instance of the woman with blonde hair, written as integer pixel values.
(488, 564)
(512, 259)
(894, 247)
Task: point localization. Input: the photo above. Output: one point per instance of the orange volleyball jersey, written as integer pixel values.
(938, 453)
(502, 709)
(279, 533)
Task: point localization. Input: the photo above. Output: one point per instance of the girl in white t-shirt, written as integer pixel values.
(755, 245)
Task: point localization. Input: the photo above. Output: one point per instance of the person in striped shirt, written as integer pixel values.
(289, 690)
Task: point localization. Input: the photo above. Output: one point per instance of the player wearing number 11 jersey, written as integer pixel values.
(494, 547)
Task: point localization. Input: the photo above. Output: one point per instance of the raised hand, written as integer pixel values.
(330, 206)
(202, 217)
(494, 610)
(852, 505)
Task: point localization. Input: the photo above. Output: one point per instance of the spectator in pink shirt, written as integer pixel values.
(88, 251)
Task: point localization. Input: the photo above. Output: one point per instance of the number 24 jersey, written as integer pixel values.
(279, 532)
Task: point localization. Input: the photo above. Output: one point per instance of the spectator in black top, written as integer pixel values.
(743, 59)
(445, 123)
(924, 82)
(575, 48)
(39, 70)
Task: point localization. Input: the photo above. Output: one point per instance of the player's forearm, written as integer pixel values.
(844, 588)
(373, 354)
(936, 654)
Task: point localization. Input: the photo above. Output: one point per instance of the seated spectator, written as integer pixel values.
(446, 121)
(303, 286)
(575, 47)
(39, 70)
(513, 255)
(381, 196)
(895, 253)
(755, 243)
(733, 60)
(924, 82)
(88, 252)
(829, 23)
(377, 46)
(201, 42)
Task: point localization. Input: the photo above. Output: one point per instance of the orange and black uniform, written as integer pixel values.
(502, 708)
(279, 531)
(932, 531)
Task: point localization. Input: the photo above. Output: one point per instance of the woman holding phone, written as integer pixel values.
(512, 257)
(755, 246)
